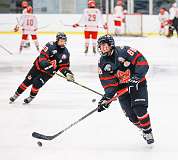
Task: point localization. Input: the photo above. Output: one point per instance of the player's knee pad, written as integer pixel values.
(140, 110)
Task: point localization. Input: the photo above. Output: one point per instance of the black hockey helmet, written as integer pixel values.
(61, 35)
(106, 39)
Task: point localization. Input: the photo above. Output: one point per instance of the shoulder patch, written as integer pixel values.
(45, 48)
(100, 70)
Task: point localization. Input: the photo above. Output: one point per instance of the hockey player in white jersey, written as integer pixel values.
(173, 20)
(163, 19)
(91, 20)
(24, 5)
(119, 17)
(28, 23)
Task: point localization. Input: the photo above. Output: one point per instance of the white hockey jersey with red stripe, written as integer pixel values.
(163, 18)
(91, 19)
(28, 22)
(119, 13)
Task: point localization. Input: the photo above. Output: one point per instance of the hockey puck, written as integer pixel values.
(93, 100)
(39, 144)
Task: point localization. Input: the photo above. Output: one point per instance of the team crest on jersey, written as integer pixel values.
(123, 76)
(121, 59)
(54, 51)
(99, 71)
(64, 56)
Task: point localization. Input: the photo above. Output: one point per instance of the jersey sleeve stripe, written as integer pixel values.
(136, 57)
(107, 78)
(110, 85)
(143, 63)
(45, 54)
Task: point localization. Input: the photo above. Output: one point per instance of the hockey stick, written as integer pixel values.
(80, 85)
(45, 137)
(6, 49)
(69, 25)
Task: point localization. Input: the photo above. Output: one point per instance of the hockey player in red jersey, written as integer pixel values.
(91, 19)
(29, 25)
(53, 57)
(123, 69)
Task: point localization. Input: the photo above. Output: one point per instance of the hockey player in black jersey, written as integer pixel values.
(122, 71)
(53, 57)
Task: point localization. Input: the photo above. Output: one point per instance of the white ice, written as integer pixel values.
(101, 136)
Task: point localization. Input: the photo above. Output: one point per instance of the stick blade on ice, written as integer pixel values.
(41, 136)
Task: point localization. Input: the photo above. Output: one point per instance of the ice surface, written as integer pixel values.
(102, 136)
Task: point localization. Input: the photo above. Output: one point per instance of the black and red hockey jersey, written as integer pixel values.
(115, 70)
(55, 56)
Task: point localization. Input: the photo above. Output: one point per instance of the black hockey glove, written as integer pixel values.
(103, 104)
(133, 84)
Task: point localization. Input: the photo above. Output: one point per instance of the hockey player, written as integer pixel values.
(173, 20)
(28, 23)
(119, 17)
(163, 18)
(53, 57)
(24, 5)
(91, 19)
(122, 71)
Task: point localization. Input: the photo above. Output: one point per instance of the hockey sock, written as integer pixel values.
(145, 123)
(21, 88)
(34, 91)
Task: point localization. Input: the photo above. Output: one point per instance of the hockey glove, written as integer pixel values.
(133, 84)
(70, 77)
(103, 104)
(16, 28)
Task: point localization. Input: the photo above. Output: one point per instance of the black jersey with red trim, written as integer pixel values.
(54, 55)
(115, 70)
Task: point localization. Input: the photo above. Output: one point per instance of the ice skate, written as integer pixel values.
(86, 50)
(94, 50)
(148, 137)
(13, 98)
(28, 99)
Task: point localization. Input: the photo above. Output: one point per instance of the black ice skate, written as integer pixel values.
(94, 50)
(148, 137)
(13, 98)
(28, 99)
(86, 50)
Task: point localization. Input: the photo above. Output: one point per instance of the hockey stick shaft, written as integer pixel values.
(69, 25)
(81, 85)
(44, 137)
(6, 49)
